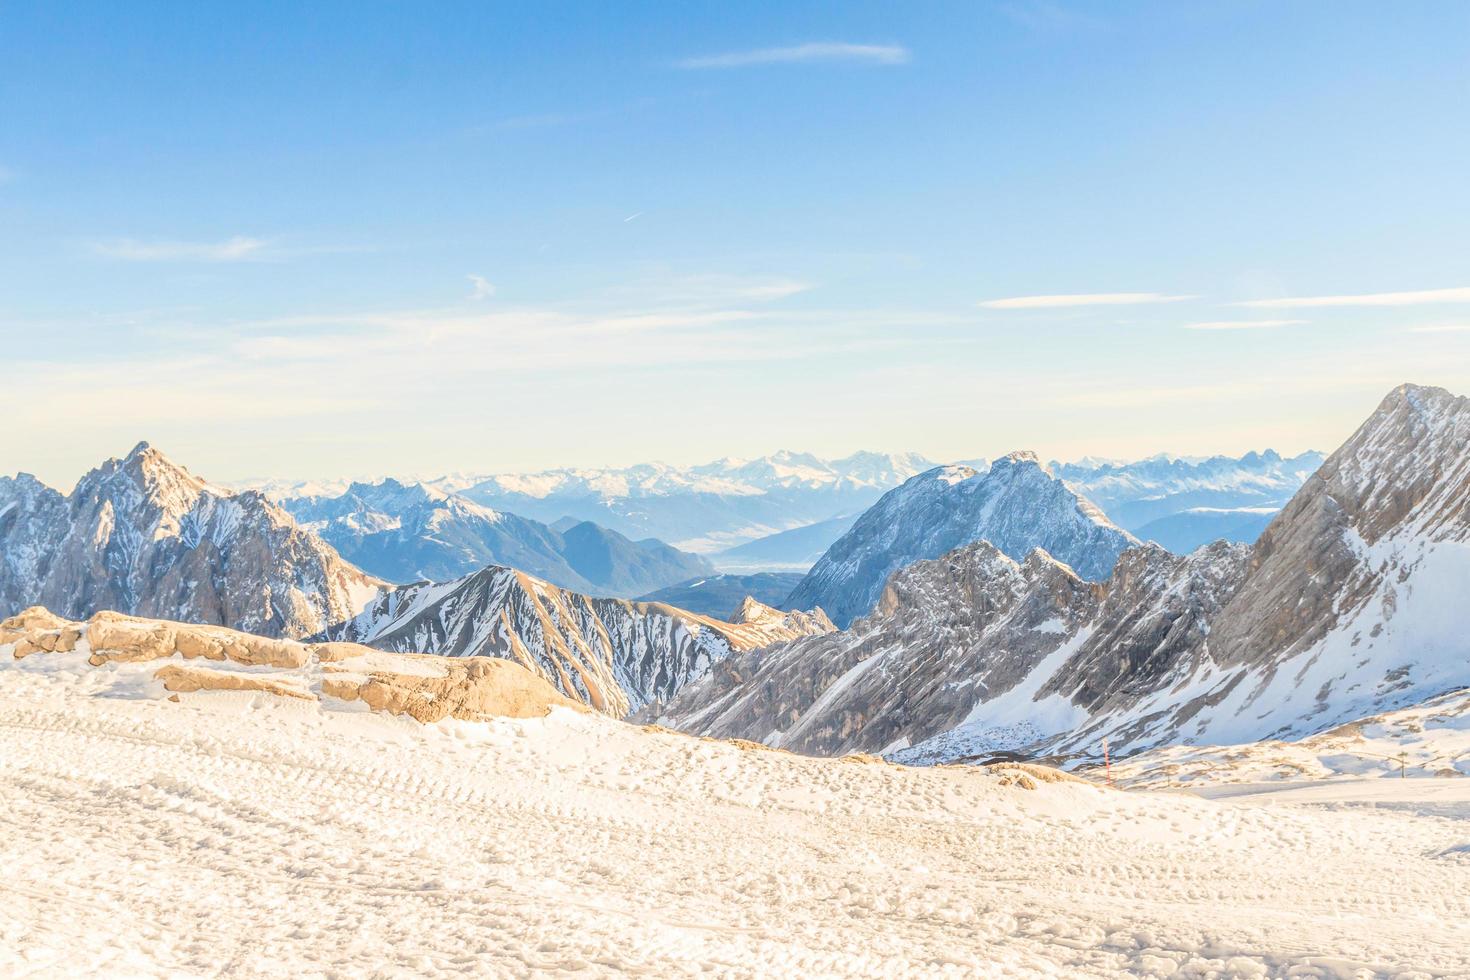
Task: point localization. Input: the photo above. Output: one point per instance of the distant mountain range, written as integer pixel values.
(704, 508)
(781, 512)
(1184, 503)
(413, 532)
(1350, 603)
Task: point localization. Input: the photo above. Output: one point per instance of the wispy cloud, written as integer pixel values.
(1078, 299)
(235, 249)
(873, 54)
(1418, 297)
(659, 286)
(1442, 328)
(1241, 324)
(480, 287)
(1043, 15)
(633, 217)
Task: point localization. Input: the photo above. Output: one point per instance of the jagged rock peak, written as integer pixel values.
(752, 609)
(142, 534)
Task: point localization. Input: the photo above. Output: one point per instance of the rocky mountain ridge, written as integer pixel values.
(613, 654)
(143, 535)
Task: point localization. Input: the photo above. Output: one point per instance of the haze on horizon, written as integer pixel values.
(344, 241)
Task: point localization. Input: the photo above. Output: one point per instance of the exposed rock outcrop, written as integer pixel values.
(424, 687)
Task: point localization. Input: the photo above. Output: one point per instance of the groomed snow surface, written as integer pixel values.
(246, 835)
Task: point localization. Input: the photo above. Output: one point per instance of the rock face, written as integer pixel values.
(412, 532)
(1355, 599)
(211, 658)
(973, 649)
(1351, 603)
(145, 536)
(1015, 505)
(612, 654)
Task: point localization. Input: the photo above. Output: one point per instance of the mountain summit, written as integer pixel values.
(1015, 505)
(143, 535)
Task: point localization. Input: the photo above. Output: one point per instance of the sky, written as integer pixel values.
(333, 239)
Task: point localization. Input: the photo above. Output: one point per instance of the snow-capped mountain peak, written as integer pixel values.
(141, 534)
(1015, 504)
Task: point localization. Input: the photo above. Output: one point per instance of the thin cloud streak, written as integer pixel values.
(1062, 300)
(1412, 298)
(480, 287)
(236, 249)
(1442, 328)
(873, 54)
(1241, 324)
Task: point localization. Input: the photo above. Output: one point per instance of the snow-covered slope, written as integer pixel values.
(1428, 739)
(613, 654)
(1184, 503)
(1355, 599)
(238, 833)
(703, 508)
(143, 535)
(1015, 505)
(412, 532)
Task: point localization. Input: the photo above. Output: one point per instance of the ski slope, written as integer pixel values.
(243, 834)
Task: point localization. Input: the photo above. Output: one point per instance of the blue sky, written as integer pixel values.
(408, 238)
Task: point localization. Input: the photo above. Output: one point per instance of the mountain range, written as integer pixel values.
(781, 512)
(1346, 605)
(1184, 503)
(143, 535)
(414, 532)
(703, 508)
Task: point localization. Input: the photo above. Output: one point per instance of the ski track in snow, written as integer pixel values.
(237, 834)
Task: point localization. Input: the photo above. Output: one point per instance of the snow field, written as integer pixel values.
(248, 835)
